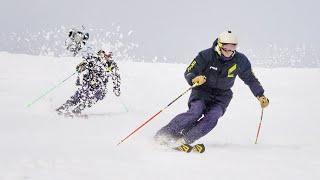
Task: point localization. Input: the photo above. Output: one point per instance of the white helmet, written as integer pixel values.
(227, 37)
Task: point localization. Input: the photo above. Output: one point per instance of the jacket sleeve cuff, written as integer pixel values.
(189, 78)
(260, 94)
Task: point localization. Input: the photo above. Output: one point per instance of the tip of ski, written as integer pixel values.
(187, 148)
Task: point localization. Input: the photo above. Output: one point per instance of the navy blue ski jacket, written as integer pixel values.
(220, 75)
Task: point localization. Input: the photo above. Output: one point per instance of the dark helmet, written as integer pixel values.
(101, 54)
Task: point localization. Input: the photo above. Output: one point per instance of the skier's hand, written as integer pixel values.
(116, 92)
(199, 80)
(264, 101)
(81, 67)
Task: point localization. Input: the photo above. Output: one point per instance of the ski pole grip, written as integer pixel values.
(195, 85)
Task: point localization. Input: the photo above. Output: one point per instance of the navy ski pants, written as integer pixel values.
(198, 121)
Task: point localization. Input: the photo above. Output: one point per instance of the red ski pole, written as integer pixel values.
(256, 142)
(156, 114)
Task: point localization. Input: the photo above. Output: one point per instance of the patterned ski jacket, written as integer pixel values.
(96, 74)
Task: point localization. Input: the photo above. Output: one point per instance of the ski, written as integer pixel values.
(72, 115)
(187, 148)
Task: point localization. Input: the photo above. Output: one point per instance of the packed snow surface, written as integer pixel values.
(37, 144)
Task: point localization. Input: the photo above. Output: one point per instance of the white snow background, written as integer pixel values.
(37, 144)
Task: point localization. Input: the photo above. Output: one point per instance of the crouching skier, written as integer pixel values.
(213, 71)
(76, 40)
(93, 75)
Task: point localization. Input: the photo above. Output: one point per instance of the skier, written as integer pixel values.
(76, 40)
(93, 75)
(213, 71)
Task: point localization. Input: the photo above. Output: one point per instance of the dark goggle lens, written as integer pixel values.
(229, 47)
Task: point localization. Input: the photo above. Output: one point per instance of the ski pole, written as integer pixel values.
(256, 142)
(49, 90)
(194, 85)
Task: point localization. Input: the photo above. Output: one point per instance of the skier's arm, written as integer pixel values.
(249, 78)
(195, 68)
(81, 66)
(113, 69)
(116, 79)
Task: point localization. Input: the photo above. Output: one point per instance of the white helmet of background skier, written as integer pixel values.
(73, 33)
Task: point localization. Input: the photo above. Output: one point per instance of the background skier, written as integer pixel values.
(94, 73)
(76, 40)
(214, 71)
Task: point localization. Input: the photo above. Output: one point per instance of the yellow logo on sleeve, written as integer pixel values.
(191, 66)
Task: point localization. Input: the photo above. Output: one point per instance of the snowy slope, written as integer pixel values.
(37, 144)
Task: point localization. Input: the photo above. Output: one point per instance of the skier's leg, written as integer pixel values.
(205, 125)
(73, 101)
(99, 94)
(83, 101)
(90, 97)
(183, 120)
(80, 106)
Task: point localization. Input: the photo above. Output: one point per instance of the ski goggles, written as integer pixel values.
(229, 47)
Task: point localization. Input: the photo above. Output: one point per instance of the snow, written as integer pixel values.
(37, 144)
(130, 32)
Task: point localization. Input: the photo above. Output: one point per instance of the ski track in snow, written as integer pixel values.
(37, 144)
